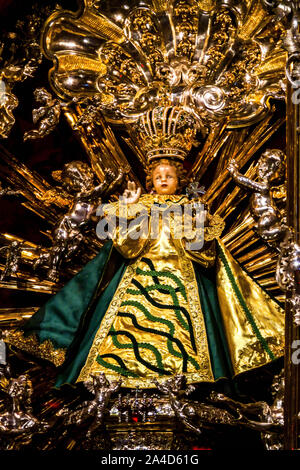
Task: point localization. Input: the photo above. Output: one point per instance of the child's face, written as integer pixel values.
(165, 179)
(270, 168)
(79, 178)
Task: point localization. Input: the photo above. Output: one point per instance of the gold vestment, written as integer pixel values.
(155, 326)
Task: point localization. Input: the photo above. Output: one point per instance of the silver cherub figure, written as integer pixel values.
(17, 417)
(46, 115)
(77, 179)
(94, 409)
(270, 223)
(90, 113)
(175, 388)
(288, 272)
(13, 256)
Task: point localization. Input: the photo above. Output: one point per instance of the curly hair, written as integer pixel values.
(181, 172)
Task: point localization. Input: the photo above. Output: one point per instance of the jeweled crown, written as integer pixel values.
(166, 132)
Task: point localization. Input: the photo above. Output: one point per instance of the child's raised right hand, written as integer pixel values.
(132, 194)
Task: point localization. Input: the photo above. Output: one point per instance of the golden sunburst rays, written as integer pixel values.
(241, 146)
(101, 145)
(30, 185)
(48, 203)
(213, 142)
(231, 202)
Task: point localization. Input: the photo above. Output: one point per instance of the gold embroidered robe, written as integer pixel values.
(155, 326)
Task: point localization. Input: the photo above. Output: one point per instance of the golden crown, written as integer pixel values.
(166, 132)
